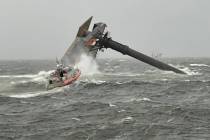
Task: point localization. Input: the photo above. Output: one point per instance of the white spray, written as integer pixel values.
(87, 65)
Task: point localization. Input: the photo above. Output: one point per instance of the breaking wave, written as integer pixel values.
(34, 77)
(18, 76)
(190, 72)
(187, 70)
(34, 94)
(24, 86)
(42, 75)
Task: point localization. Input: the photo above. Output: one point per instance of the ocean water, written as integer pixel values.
(122, 100)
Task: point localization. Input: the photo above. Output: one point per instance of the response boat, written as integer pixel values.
(62, 76)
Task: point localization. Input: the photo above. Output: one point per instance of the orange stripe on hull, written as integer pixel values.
(72, 79)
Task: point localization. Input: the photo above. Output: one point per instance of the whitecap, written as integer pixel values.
(124, 120)
(168, 72)
(127, 119)
(122, 110)
(122, 60)
(187, 70)
(76, 119)
(17, 76)
(112, 105)
(40, 77)
(12, 82)
(116, 67)
(27, 95)
(199, 65)
(164, 79)
(170, 120)
(94, 81)
(190, 72)
(120, 83)
(106, 63)
(140, 99)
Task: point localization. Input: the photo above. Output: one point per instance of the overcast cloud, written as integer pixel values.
(43, 29)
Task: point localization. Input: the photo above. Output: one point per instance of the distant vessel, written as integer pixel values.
(156, 55)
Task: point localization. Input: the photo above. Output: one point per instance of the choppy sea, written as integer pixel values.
(124, 100)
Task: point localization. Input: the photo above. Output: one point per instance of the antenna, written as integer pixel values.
(57, 61)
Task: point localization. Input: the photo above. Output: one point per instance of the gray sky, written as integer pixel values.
(43, 29)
